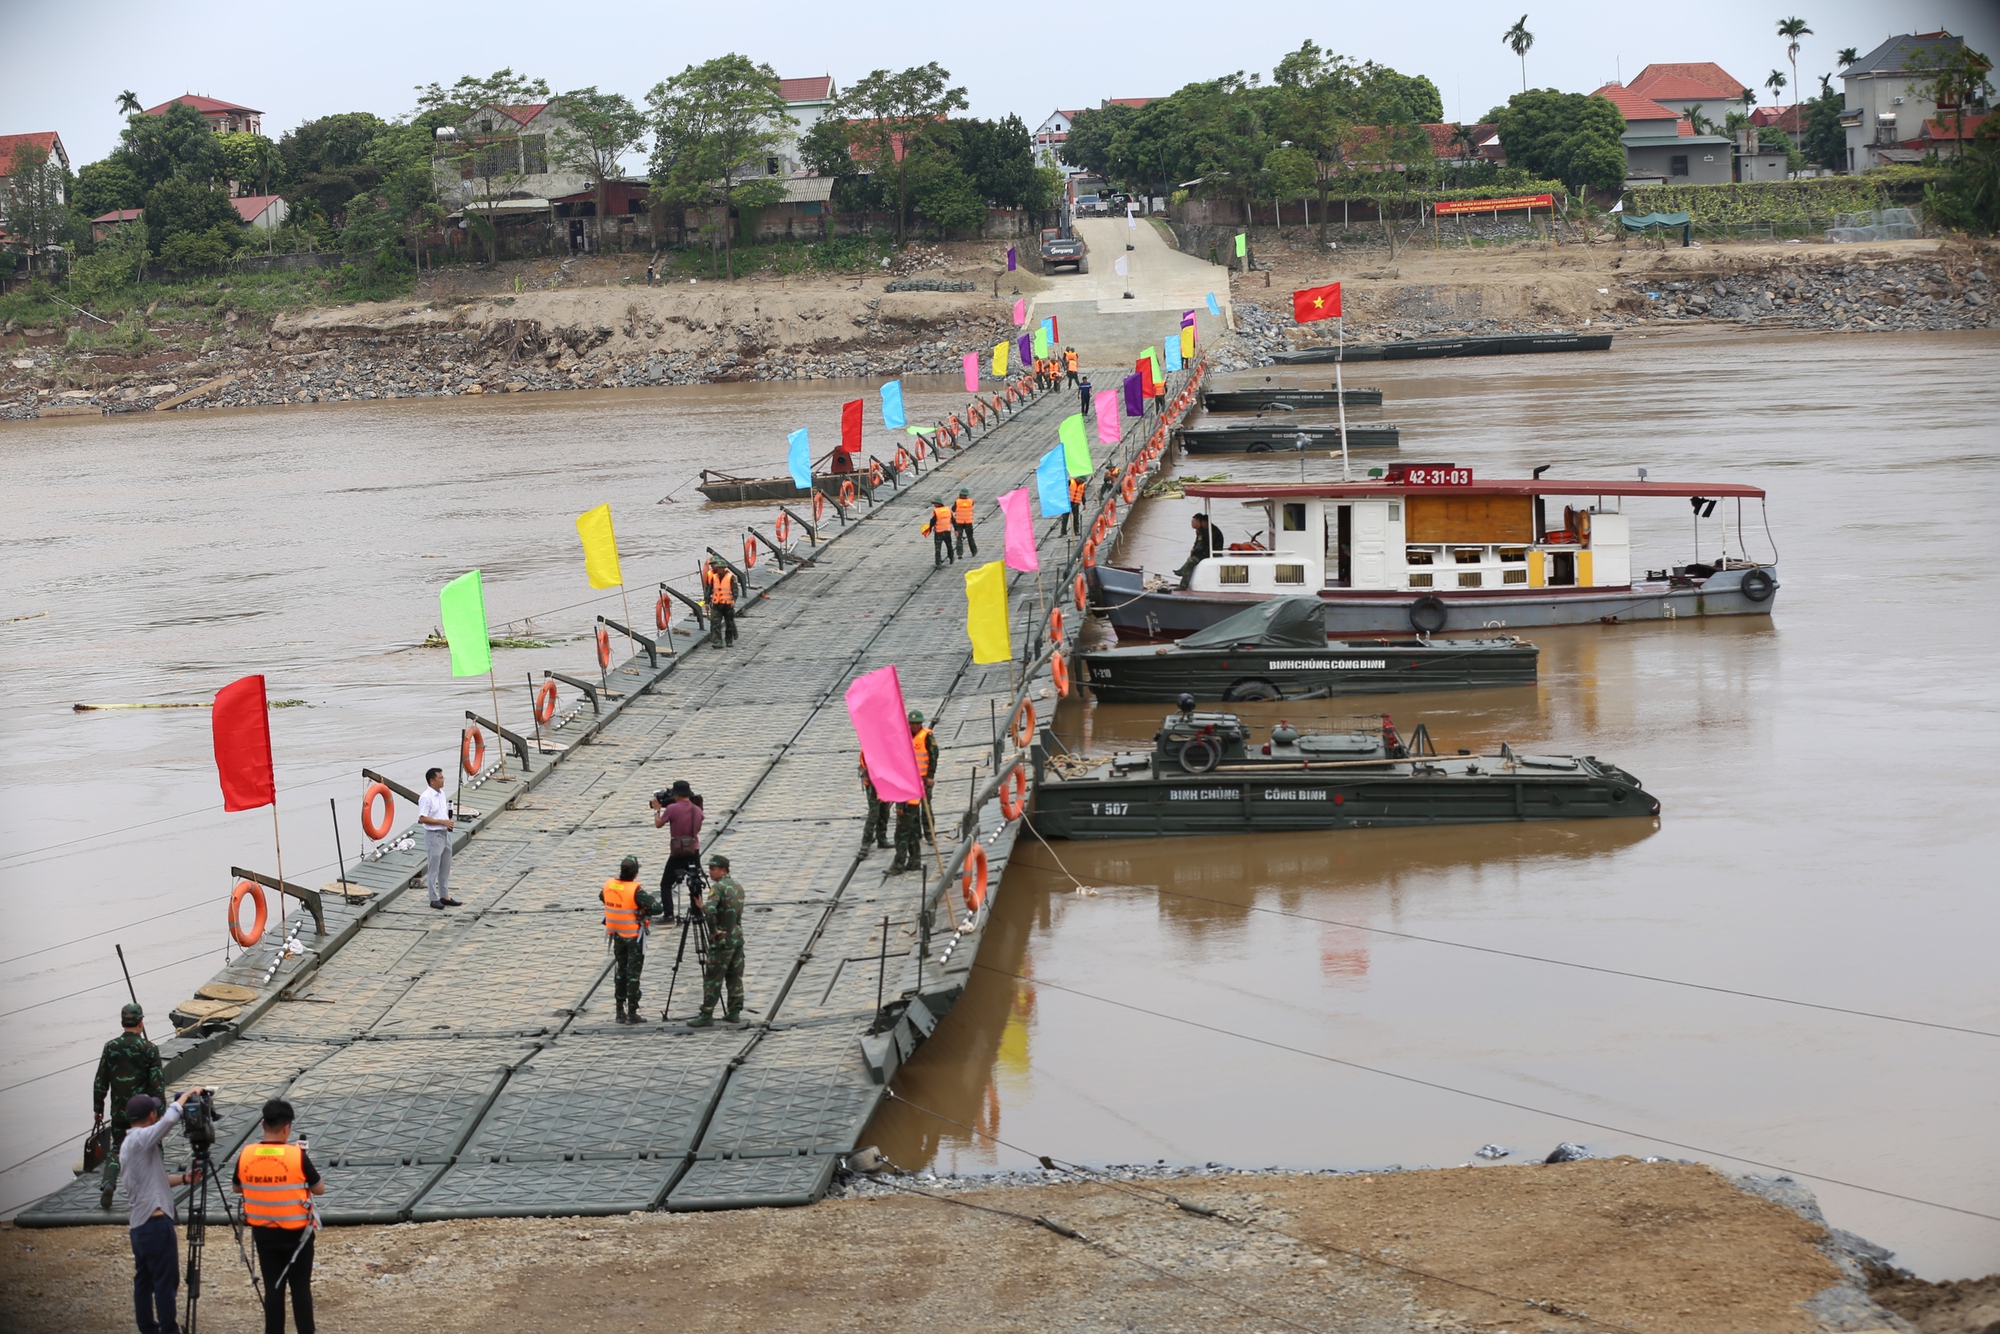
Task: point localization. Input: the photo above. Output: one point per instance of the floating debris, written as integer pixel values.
(31, 616)
(435, 640)
(1491, 1151)
(1567, 1152)
(1170, 488)
(175, 704)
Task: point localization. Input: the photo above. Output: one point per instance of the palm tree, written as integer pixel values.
(128, 103)
(1775, 83)
(1848, 55)
(1465, 139)
(1519, 39)
(1791, 30)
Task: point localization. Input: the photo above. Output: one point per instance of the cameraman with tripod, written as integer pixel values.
(277, 1181)
(156, 1258)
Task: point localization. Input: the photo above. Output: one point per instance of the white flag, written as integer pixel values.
(1618, 207)
(1120, 268)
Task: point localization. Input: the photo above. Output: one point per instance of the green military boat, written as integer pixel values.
(1203, 776)
(1279, 650)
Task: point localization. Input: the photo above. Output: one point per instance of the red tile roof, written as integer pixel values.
(250, 206)
(42, 139)
(1633, 106)
(1444, 145)
(119, 215)
(1129, 101)
(1783, 118)
(1946, 128)
(1682, 89)
(815, 89)
(202, 104)
(1706, 74)
(523, 114)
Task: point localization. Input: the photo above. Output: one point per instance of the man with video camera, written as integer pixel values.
(276, 1180)
(156, 1257)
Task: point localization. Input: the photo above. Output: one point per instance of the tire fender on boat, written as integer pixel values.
(1428, 614)
(1758, 585)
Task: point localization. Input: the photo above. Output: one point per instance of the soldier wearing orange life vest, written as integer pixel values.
(627, 909)
(719, 582)
(961, 523)
(1069, 365)
(1077, 487)
(910, 814)
(939, 528)
(277, 1180)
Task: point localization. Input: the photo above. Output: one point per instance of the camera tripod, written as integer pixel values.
(695, 924)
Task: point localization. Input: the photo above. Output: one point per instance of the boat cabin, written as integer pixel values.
(1426, 529)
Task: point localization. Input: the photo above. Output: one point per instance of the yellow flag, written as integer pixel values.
(600, 547)
(986, 613)
(1187, 344)
(1000, 358)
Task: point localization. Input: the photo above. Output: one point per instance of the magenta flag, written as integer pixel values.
(1020, 543)
(1107, 417)
(972, 372)
(1021, 311)
(875, 707)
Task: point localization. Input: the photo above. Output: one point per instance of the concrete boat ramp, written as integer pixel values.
(467, 1063)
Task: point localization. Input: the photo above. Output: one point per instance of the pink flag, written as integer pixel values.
(1021, 311)
(1107, 416)
(972, 372)
(875, 707)
(1019, 546)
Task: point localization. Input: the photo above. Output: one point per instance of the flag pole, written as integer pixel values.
(625, 601)
(1340, 394)
(279, 847)
(499, 742)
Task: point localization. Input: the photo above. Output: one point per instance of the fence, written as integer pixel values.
(1878, 224)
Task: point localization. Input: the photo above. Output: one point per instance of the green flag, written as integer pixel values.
(1041, 343)
(1242, 245)
(1075, 447)
(462, 609)
(1159, 367)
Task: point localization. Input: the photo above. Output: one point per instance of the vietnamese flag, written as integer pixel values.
(1316, 303)
(242, 724)
(850, 426)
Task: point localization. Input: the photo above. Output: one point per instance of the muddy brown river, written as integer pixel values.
(1780, 970)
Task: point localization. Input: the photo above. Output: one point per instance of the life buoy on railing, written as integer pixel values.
(663, 611)
(1082, 590)
(972, 881)
(819, 502)
(783, 527)
(545, 701)
(846, 494)
(1059, 669)
(749, 551)
(1013, 794)
(603, 647)
(369, 826)
(874, 473)
(472, 751)
(1090, 554)
(253, 891)
(1023, 724)
(1110, 514)
(1130, 490)
(1056, 624)
(902, 459)
(917, 449)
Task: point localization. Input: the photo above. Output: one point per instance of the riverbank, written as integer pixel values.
(1663, 1247)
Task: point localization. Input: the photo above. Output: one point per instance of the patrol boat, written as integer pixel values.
(1428, 547)
(1279, 650)
(1204, 777)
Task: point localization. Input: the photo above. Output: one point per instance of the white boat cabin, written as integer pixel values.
(1459, 537)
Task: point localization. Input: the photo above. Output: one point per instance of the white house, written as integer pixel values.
(264, 212)
(1885, 113)
(502, 159)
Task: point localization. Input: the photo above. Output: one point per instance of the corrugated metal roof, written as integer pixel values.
(1894, 56)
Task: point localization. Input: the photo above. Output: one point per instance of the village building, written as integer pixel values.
(1662, 147)
(1702, 86)
(222, 117)
(1886, 109)
(264, 212)
(104, 224)
(38, 144)
(1049, 137)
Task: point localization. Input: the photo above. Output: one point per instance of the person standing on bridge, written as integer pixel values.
(720, 582)
(678, 810)
(876, 831)
(626, 910)
(277, 1182)
(434, 814)
(1073, 516)
(910, 814)
(961, 522)
(722, 908)
(1069, 365)
(1083, 396)
(1107, 482)
(939, 528)
(129, 1066)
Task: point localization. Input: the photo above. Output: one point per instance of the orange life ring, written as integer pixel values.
(1059, 668)
(1082, 591)
(919, 451)
(784, 527)
(603, 647)
(749, 551)
(819, 503)
(472, 751)
(874, 473)
(1110, 514)
(255, 893)
(1090, 554)
(846, 494)
(1131, 488)
(663, 614)
(1024, 724)
(545, 701)
(902, 459)
(1013, 794)
(1056, 624)
(368, 825)
(972, 881)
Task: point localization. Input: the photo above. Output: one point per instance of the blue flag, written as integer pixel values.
(1052, 483)
(800, 460)
(892, 406)
(1213, 309)
(1173, 346)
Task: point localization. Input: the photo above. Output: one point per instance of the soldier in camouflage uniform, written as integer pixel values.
(876, 831)
(130, 1065)
(722, 908)
(627, 909)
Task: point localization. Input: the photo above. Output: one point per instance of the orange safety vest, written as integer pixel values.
(274, 1186)
(1069, 358)
(940, 519)
(920, 741)
(961, 511)
(1076, 488)
(621, 908)
(722, 589)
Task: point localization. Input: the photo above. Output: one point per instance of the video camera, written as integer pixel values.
(198, 1118)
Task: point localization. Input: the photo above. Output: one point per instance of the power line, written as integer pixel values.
(1560, 963)
(43, 1154)
(36, 1079)
(102, 985)
(1482, 1097)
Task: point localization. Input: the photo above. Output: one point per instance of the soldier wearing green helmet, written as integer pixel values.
(129, 1066)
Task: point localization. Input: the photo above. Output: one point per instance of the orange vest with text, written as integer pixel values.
(274, 1186)
(621, 908)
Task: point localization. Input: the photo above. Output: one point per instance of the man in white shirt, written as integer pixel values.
(155, 1254)
(434, 814)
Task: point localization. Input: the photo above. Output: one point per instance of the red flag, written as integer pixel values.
(1316, 303)
(242, 725)
(850, 426)
(1055, 329)
(1145, 368)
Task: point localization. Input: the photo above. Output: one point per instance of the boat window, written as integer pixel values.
(1513, 576)
(1417, 556)
(1235, 574)
(1295, 516)
(1291, 574)
(1468, 555)
(1395, 512)
(1509, 555)
(1470, 579)
(1420, 580)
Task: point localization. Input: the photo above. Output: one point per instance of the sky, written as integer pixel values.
(295, 63)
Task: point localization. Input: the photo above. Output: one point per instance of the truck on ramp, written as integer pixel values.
(1059, 250)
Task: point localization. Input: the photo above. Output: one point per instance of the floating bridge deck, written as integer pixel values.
(463, 1064)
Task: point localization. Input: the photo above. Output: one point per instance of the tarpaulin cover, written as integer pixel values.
(1647, 221)
(1279, 623)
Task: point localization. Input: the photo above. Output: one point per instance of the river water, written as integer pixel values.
(1827, 836)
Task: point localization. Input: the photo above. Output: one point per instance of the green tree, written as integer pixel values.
(1791, 30)
(180, 205)
(502, 88)
(1848, 55)
(1093, 136)
(1567, 136)
(491, 158)
(1518, 40)
(1315, 104)
(1824, 140)
(107, 185)
(31, 200)
(1775, 81)
(250, 160)
(325, 162)
(118, 262)
(895, 119)
(1957, 81)
(175, 143)
(947, 195)
(999, 156)
(1969, 196)
(195, 252)
(128, 103)
(713, 125)
(597, 130)
(1416, 97)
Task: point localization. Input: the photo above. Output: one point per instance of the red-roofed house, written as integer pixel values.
(1661, 147)
(502, 159)
(104, 224)
(1780, 118)
(1942, 136)
(1681, 87)
(222, 117)
(266, 212)
(806, 101)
